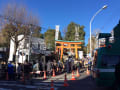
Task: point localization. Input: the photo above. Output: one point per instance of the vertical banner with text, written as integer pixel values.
(57, 32)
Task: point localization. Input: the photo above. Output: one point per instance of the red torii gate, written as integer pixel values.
(69, 44)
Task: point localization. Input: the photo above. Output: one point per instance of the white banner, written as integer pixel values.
(80, 54)
(57, 32)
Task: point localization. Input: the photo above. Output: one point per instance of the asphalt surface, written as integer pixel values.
(84, 82)
(87, 83)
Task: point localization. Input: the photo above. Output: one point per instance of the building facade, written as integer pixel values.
(26, 48)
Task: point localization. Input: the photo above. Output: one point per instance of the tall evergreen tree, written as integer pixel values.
(70, 34)
(37, 32)
(49, 37)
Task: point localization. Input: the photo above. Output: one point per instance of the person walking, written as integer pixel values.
(78, 66)
(35, 68)
(49, 68)
(19, 70)
(67, 66)
(26, 70)
(72, 64)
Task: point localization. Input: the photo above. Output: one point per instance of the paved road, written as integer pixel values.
(17, 86)
(84, 82)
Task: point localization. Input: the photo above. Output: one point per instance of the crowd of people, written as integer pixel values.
(15, 73)
(30, 70)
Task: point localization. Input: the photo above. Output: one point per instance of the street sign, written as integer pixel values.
(80, 54)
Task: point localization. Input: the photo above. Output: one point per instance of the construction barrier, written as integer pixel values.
(73, 77)
(45, 75)
(53, 73)
(78, 75)
(88, 72)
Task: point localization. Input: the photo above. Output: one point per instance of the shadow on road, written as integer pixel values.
(86, 83)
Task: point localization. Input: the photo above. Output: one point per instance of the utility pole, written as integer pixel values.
(30, 37)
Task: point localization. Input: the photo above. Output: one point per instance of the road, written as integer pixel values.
(84, 82)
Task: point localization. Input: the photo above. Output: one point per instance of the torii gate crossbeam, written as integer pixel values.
(70, 44)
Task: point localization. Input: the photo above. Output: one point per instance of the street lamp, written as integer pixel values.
(104, 7)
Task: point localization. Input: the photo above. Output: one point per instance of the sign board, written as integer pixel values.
(57, 32)
(112, 33)
(80, 54)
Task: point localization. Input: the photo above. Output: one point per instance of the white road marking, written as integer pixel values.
(39, 86)
(28, 86)
(4, 89)
(48, 84)
(7, 81)
(104, 70)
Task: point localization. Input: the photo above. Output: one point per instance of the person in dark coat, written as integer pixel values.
(26, 70)
(10, 70)
(40, 66)
(78, 66)
(72, 64)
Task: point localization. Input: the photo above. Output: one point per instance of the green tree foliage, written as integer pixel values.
(60, 36)
(70, 34)
(4, 42)
(11, 31)
(49, 37)
(37, 32)
(116, 30)
(18, 21)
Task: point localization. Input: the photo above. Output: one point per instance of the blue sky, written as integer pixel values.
(62, 12)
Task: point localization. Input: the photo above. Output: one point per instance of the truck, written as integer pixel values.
(105, 60)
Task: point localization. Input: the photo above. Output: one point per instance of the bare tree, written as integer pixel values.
(93, 43)
(18, 21)
(95, 32)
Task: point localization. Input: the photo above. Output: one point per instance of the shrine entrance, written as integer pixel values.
(72, 45)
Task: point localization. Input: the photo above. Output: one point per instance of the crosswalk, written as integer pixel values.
(12, 85)
(4, 89)
(37, 84)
